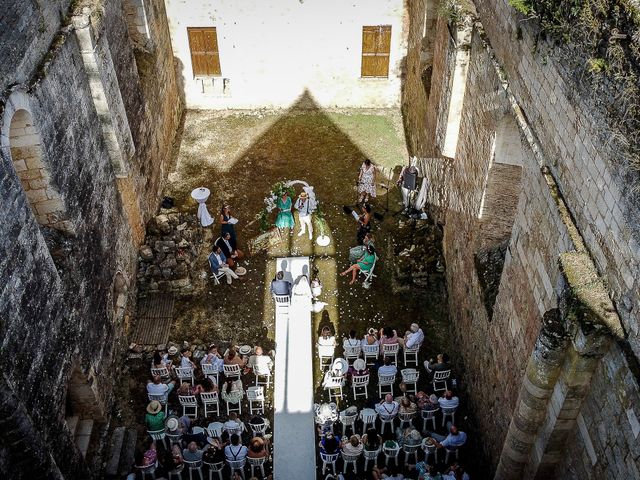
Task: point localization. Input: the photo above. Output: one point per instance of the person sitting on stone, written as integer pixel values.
(439, 365)
(155, 386)
(413, 338)
(154, 418)
(279, 286)
(232, 358)
(192, 453)
(388, 406)
(218, 263)
(229, 248)
(388, 368)
(448, 400)
(259, 363)
(235, 451)
(455, 438)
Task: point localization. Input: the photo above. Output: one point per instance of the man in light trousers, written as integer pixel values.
(305, 206)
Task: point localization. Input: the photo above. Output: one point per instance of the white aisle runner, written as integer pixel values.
(294, 438)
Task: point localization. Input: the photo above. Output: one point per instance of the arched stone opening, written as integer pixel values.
(498, 208)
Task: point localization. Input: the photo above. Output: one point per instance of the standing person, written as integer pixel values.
(285, 218)
(225, 225)
(364, 223)
(366, 181)
(305, 206)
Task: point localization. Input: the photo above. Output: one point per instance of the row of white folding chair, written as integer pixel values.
(211, 403)
(440, 380)
(326, 354)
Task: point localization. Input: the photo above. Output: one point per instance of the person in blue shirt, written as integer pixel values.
(455, 439)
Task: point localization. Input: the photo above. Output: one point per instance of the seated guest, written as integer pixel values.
(326, 339)
(185, 359)
(150, 453)
(358, 251)
(232, 391)
(214, 452)
(228, 246)
(218, 263)
(407, 406)
(161, 359)
(156, 387)
(192, 453)
(185, 389)
(371, 441)
(388, 336)
(439, 365)
(455, 438)
(358, 369)
(167, 461)
(233, 424)
(448, 400)
(176, 453)
(429, 402)
(235, 451)
(388, 368)
(258, 447)
(455, 472)
(154, 418)
(232, 358)
(409, 437)
(329, 443)
(205, 385)
(413, 338)
(370, 338)
(352, 447)
(352, 341)
(331, 374)
(388, 406)
(279, 286)
(213, 358)
(260, 363)
(364, 264)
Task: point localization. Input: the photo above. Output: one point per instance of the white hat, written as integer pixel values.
(172, 350)
(172, 424)
(359, 364)
(244, 350)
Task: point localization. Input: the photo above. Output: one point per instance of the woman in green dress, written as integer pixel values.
(364, 263)
(284, 218)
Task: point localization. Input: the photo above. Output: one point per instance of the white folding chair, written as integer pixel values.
(440, 378)
(329, 459)
(391, 350)
(258, 428)
(194, 466)
(257, 463)
(163, 372)
(360, 381)
(211, 403)
(391, 453)
(260, 374)
(157, 435)
(411, 352)
(386, 420)
(334, 386)
(406, 418)
(371, 353)
(214, 468)
(197, 430)
(352, 353)
(350, 460)
(371, 455)
(429, 415)
(232, 371)
(188, 403)
(147, 470)
(173, 437)
(237, 466)
(384, 382)
(184, 373)
(410, 379)
(282, 303)
(210, 371)
(410, 450)
(449, 412)
(176, 472)
(368, 276)
(429, 450)
(348, 421)
(326, 353)
(368, 417)
(450, 450)
(215, 429)
(255, 395)
(231, 408)
(161, 398)
(230, 429)
(216, 276)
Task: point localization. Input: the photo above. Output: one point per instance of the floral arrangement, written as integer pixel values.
(270, 203)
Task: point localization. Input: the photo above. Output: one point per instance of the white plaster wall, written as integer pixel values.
(272, 50)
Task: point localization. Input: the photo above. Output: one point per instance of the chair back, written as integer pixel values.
(329, 457)
(449, 410)
(209, 397)
(415, 349)
(237, 429)
(429, 414)
(390, 349)
(326, 350)
(162, 397)
(188, 400)
(360, 380)
(281, 300)
(258, 428)
(384, 417)
(333, 382)
(215, 429)
(441, 376)
(157, 434)
(406, 416)
(173, 437)
(386, 379)
(184, 373)
(409, 375)
(391, 451)
(372, 454)
(210, 370)
(232, 370)
(147, 468)
(256, 462)
(194, 464)
(410, 448)
(350, 458)
(348, 419)
(368, 416)
(237, 464)
(352, 352)
(255, 394)
(371, 351)
(214, 467)
(163, 372)
(197, 430)
(427, 447)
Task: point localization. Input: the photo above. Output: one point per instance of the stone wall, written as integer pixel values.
(64, 285)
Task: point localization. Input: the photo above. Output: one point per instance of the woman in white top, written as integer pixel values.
(326, 339)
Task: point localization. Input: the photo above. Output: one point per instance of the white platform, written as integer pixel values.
(294, 435)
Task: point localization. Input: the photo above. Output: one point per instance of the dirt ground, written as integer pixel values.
(239, 156)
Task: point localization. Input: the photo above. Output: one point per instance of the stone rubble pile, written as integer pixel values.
(166, 262)
(417, 257)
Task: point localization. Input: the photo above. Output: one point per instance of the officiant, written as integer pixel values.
(227, 222)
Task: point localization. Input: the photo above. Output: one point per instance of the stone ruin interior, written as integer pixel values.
(520, 260)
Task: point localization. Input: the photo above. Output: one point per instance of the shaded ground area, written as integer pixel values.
(239, 156)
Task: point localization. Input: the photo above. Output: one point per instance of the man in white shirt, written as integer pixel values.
(413, 338)
(388, 407)
(260, 363)
(305, 206)
(235, 451)
(156, 387)
(388, 368)
(448, 400)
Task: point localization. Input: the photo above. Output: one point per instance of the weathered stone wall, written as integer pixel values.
(61, 308)
(496, 349)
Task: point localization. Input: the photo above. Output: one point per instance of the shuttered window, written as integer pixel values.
(376, 45)
(203, 43)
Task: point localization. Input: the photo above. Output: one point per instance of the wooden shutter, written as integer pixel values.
(376, 46)
(205, 58)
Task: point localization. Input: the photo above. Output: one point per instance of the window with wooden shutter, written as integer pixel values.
(203, 43)
(376, 45)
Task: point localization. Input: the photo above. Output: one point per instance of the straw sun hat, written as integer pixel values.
(154, 407)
